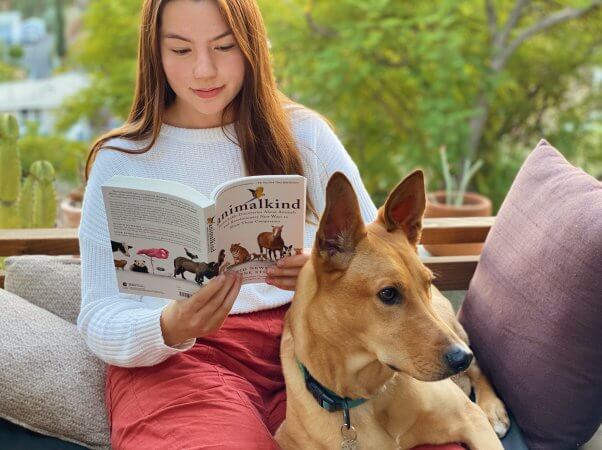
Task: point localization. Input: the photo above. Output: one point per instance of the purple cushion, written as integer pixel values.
(533, 310)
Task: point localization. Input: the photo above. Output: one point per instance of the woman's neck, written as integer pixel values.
(177, 117)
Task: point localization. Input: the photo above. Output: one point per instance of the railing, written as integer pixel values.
(453, 273)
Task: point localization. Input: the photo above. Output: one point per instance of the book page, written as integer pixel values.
(157, 234)
(257, 221)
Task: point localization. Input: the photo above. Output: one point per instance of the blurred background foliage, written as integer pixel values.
(8, 69)
(67, 157)
(400, 79)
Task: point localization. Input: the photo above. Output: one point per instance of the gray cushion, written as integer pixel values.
(51, 282)
(49, 381)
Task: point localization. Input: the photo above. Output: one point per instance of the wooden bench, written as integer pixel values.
(453, 273)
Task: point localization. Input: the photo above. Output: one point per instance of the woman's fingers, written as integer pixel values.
(217, 295)
(203, 313)
(231, 295)
(205, 293)
(286, 271)
(293, 261)
(287, 283)
(224, 309)
(278, 272)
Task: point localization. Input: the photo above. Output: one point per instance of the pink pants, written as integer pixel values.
(227, 392)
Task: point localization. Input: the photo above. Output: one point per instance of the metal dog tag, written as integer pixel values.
(349, 439)
(349, 444)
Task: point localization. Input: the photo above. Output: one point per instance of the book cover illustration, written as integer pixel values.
(142, 262)
(168, 240)
(258, 220)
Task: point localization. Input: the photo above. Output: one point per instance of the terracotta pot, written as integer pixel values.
(71, 213)
(473, 205)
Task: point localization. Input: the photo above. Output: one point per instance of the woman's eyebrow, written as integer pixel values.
(225, 33)
(182, 38)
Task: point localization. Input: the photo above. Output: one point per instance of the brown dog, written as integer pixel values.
(366, 325)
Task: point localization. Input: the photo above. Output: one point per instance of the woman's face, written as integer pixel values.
(202, 62)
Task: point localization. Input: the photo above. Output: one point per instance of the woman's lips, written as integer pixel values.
(210, 93)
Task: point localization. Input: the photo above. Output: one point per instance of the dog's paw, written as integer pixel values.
(462, 380)
(497, 415)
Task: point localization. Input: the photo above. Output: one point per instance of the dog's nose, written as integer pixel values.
(457, 358)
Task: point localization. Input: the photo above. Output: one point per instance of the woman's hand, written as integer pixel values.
(203, 313)
(284, 274)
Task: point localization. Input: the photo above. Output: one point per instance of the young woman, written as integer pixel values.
(203, 372)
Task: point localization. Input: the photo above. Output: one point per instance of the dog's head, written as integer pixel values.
(371, 299)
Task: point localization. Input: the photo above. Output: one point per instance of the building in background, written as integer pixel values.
(10, 27)
(33, 30)
(40, 101)
(32, 36)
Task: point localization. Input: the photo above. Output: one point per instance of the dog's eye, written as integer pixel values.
(389, 295)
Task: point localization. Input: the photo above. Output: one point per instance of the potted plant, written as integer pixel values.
(71, 205)
(456, 201)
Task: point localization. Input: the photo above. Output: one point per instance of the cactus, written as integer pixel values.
(38, 197)
(10, 172)
(32, 205)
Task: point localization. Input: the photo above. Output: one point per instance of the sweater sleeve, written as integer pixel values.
(119, 328)
(332, 157)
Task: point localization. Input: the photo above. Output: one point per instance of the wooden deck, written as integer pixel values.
(453, 273)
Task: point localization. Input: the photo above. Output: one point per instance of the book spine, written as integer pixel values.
(210, 229)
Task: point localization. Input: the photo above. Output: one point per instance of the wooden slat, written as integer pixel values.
(63, 241)
(453, 272)
(39, 241)
(456, 230)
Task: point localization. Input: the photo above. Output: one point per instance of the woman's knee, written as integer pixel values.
(203, 415)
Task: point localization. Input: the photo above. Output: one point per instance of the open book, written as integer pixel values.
(168, 239)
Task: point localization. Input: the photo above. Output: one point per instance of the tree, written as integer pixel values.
(505, 38)
(61, 47)
(545, 90)
(400, 79)
(28, 8)
(108, 53)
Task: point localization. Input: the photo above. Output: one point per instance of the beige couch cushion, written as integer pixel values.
(49, 381)
(51, 282)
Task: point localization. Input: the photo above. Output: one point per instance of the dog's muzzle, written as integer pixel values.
(457, 358)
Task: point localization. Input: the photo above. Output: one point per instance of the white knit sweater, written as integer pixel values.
(124, 329)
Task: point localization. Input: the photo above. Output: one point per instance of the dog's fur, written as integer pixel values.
(357, 346)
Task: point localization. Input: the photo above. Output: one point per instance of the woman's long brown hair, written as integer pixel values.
(263, 128)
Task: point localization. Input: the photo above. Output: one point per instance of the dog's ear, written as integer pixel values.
(405, 206)
(341, 225)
